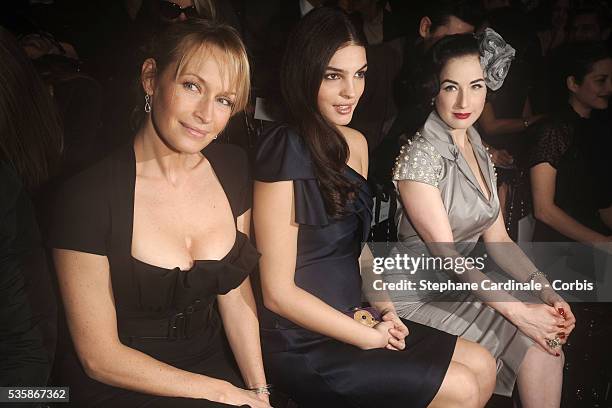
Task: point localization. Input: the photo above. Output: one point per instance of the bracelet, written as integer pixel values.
(264, 389)
(535, 274)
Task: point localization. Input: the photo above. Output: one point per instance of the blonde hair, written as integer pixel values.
(183, 41)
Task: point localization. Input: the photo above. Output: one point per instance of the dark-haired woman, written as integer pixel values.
(564, 161)
(449, 201)
(30, 145)
(150, 244)
(312, 208)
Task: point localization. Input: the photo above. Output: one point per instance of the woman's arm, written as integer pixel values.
(85, 284)
(429, 217)
(543, 178)
(239, 315)
(606, 216)
(273, 213)
(512, 260)
(493, 126)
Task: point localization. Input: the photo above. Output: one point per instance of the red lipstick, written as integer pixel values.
(462, 115)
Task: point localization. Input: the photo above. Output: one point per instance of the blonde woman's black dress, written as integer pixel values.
(169, 314)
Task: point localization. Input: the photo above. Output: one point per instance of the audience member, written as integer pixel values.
(588, 24)
(555, 32)
(150, 244)
(439, 18)
(561, 159)
(449, 201)
(30, 145)
(312, 207)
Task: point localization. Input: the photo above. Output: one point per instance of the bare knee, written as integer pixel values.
(479, 360)
(541, 357)
(459, 388)
(485, 365)
(467, 394)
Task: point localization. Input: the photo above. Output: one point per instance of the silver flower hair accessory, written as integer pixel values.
(496, 55)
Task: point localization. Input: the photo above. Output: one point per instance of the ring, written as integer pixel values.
(554, 343)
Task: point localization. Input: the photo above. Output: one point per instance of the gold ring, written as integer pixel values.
(554, 343)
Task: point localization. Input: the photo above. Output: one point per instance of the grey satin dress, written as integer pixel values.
(432, 158)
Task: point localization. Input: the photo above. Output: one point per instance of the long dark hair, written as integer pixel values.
(30, 127)
(310, 47)
(426, 83)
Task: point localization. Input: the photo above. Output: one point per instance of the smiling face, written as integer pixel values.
(462, 92)
(342, 85)
(595, 89)
(191, 108)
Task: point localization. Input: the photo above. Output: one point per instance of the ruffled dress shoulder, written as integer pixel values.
(316, 370)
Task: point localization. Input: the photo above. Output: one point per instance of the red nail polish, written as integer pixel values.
(557, 354)
(561, 326)
(561, 311)
(561, 335)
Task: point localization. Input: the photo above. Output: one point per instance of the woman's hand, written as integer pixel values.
(380, 336)
(233, 395)
(540, 322)
(563, 308)
(398, 332)
(570, 321)
(263, 397)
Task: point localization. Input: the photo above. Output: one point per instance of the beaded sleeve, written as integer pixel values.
(418, 161)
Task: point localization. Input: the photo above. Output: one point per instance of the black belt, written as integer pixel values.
(179, 326)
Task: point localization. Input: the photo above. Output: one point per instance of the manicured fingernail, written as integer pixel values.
(561, 326)
(557, 354)
(561, 335)
(561, 311)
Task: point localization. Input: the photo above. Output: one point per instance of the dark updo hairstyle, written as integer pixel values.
(573, 60)
(427, 81)
(310, 47)
(31, 133)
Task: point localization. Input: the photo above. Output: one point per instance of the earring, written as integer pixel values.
(147, 107)
(433, 101)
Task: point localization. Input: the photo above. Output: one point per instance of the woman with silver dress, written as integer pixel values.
(447, 186)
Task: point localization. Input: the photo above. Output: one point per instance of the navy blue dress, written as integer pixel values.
(316, 370)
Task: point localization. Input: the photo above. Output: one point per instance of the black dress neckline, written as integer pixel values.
(130, 221)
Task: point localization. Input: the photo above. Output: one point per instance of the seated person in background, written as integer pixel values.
(588, 24)
(30, 144)
(449, 201)
(388, 109)
(565, 185)
(312, 210)
(553, 36)
(150, 244)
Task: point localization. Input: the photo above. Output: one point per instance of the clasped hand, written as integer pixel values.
(543, 322)
(393, 332)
